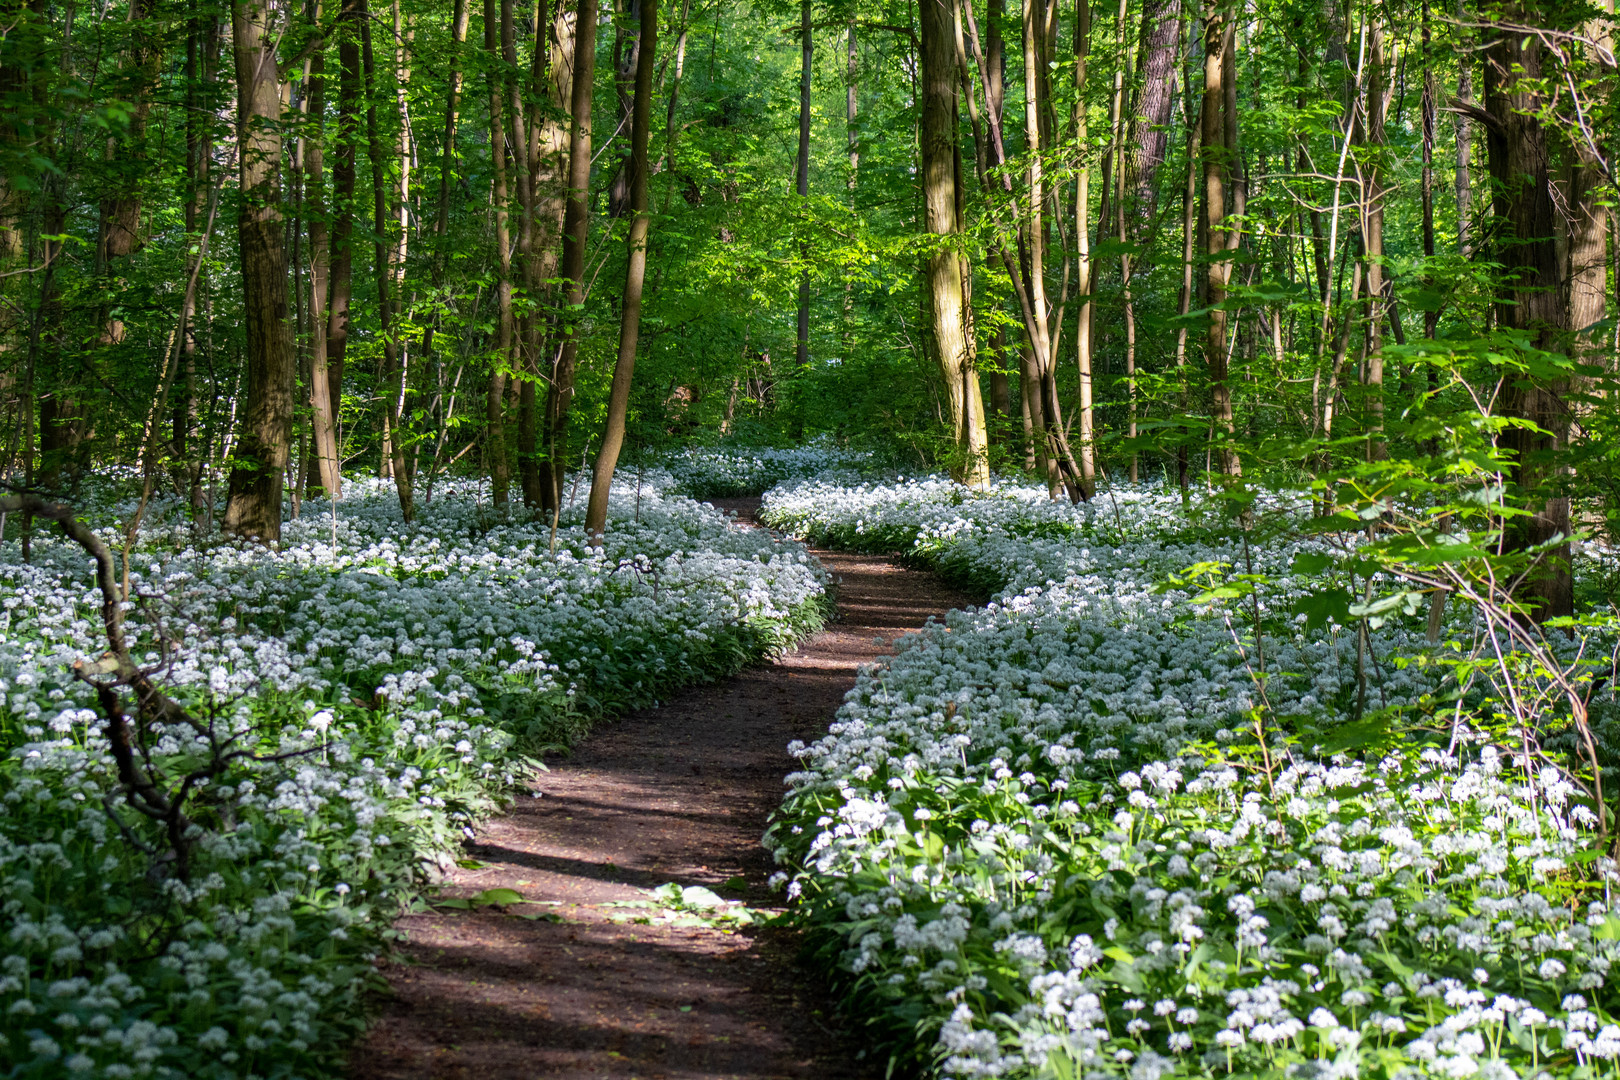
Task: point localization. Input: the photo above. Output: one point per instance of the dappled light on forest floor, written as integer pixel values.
(574, 980)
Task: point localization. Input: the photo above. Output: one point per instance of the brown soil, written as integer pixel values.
(678, 794)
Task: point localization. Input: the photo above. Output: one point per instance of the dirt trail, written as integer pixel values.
(680, 794)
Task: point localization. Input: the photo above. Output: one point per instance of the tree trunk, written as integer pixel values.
(1463, 185)
(119, 232)
(1148, 138)
(202, 68)
(387, 256)
(447, 161)
(253, 508)
(497, 458)
(323, 417)
(852, 135)
(1372, 204)
(1531, 300)
(576, 236)
(1429, 108)
(635, 275)
(340, 285)
(802, 173)
(947, 273)
(1218, 44)
(1085, 273)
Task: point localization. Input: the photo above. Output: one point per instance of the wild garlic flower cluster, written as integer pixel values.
(727, 471)
(1044, 846)
(390, 687)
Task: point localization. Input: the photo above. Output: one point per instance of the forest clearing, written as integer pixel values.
(879, 538)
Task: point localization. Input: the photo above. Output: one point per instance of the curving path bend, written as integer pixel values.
(681, 794)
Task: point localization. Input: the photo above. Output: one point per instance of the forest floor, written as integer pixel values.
(567, 983)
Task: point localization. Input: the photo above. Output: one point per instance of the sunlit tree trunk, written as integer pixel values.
(322, 414)
(1372, 208)
(341, 274)
(802, 172)
(1084, 271)
(1463, 184)
(1429, 114)
(947, 274)
(635, 276)
(253, 508)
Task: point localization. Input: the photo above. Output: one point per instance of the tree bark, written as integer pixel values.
(459, 18)
(1372, 226)
(202, 69)
(1148, 139)
(576, 235)
(323, 420)
(253, 508)
(947, 273)
(498, 460)
(802, 173)
(1463, 184)
(341, 275)
(1085, 272)
(1216, 150)
(387, 254)
(1531, 300)
(119, 234)
(635, 276)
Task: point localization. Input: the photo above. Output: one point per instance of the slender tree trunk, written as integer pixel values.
(802, 172)
(202, 68)
(1084, 272)
(126, 164)
(1218, 44)
(386, 253)
(635, 276)
(323, 421)
(340, 286)
(263, 446)
(1430, 107)
(1463, 183)
(498, 459)
(576, 235)
(1372, 202)
(852, 102)
(447, 162)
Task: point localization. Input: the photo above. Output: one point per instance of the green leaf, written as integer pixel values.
(1324, 605)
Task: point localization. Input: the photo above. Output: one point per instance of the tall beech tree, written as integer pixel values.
(635, 274)
(575, 238)
(949, 276)
(264, 445)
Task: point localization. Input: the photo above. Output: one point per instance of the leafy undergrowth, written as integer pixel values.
(1103, 827)
(385, 692)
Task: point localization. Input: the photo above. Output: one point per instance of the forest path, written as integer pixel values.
(681, 794)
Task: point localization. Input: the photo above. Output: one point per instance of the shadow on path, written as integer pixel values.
(680, 793)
